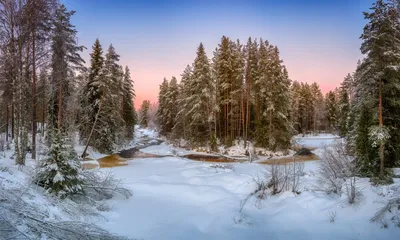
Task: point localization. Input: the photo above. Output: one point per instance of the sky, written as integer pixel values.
(318, 39)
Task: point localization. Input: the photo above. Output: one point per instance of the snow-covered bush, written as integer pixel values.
(285, 177)
(60, 172)
(99, 185)
(391, 207)
(338, 170)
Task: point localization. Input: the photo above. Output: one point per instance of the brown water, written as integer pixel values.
(287, 160)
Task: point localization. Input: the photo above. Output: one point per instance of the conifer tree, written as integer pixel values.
(162, 111)
(331, 111)
(274, 127)
(378, 81)
(65, 58)
(344, 108)
(200, 98)
(251, 75)
(128, 110)
(180, 130)
(172, 104)
(59, 173)
(91, 94)
(144, 113)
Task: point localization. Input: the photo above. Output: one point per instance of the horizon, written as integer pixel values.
(318, 40)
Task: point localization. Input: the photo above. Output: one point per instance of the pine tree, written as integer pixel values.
(91, 94)
(200, 98)
(378, 81)
(274, 128)
(144, 113)
(180, 130)
(251, 75)
(65, 58)
(110, 124)
(128, 110)
(332, 111)
(172, 104)
(344, 109)
(162, 111)
(367, 155)
(60, 173)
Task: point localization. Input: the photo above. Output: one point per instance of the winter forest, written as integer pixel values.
(233, 148)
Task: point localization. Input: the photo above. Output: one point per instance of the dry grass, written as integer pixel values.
(112, 161)
(287, 160)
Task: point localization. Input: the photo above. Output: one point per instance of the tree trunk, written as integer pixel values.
(7, 119)
(34, 126)
(59, 103)
(92, 130)
(381, 147)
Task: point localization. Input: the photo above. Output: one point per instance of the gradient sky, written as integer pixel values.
(318, 39)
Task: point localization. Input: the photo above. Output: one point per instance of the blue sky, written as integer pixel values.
(318, 40)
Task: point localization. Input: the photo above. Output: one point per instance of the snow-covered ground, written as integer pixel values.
(176, 198)
(313, 141)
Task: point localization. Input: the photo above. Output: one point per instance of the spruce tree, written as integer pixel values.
(144, 113)
(344, 108)
(200, 98)
(110, 124)
(91, 94)
(59, 173)
(331, 111)
(65, 58)
(128, 109)
(180, 130)
(378, 80)
(172, 104)
(162, 111)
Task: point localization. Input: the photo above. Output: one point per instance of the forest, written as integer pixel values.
(75, 153)
(244, 92)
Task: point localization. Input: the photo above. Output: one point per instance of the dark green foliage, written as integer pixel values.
(128, 109)
(65, 59)
(367, 156)
(162, 111)
(200, 98)
(332, 110)
(344, 109)
(381, 37)
(144, 114)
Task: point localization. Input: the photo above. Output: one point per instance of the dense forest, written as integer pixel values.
(244, 92)
(48, 94)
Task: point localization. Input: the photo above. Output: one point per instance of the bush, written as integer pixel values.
(391, 207)
(285, 177)
(338, 169)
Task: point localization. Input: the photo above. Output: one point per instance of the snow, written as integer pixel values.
(317, 141)
(176, 198)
